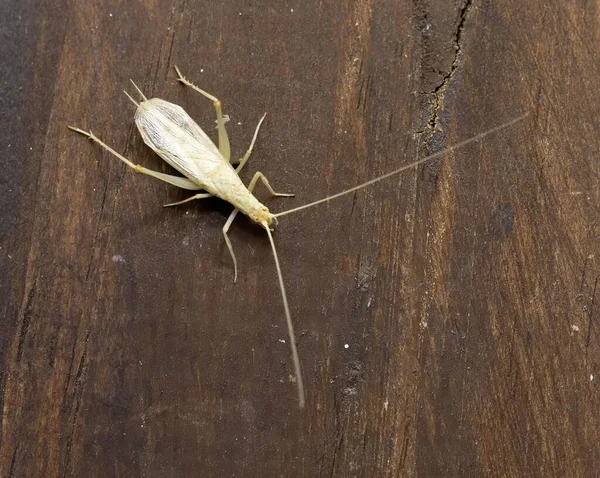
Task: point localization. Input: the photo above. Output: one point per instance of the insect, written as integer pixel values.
(168, 130)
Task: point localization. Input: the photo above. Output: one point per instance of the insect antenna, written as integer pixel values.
(288, 319)
(139, 91)
(408, 166)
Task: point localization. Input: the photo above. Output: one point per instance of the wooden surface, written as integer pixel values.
(447, 318)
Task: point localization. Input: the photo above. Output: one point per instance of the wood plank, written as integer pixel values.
(446, 318)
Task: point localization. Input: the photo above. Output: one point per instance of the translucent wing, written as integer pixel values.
(176, 138)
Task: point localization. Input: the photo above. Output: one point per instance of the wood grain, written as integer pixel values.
(447, 318)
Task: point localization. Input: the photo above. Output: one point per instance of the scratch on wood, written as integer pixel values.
(26, 320)
(590, 312)
(77, 394)
(11, 471)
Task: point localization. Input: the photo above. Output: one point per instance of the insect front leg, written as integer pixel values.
(178, 181)
(224, 147)
(228, 242)
(258, 175)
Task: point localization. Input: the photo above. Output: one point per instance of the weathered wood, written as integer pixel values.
(465, 291)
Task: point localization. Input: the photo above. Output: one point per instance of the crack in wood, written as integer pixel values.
(439, 91)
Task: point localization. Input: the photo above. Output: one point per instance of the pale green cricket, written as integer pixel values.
(177, 138)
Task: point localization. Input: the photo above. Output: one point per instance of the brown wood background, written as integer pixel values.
(465, 290)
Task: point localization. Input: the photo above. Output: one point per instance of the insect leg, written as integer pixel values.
(196, 196)
(224, 148)
(251, 186)
(249, 152)
(228, 242)
(258, 175)
(178, 181)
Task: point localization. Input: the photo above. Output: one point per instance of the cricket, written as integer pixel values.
(172, 134)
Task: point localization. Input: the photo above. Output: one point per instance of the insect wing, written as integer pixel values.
(177, 138)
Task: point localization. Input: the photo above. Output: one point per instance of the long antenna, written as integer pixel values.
(288, 319)
(408, 166)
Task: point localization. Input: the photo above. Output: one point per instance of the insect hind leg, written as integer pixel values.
(224, 147)
(183, 183)
(197, 196)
